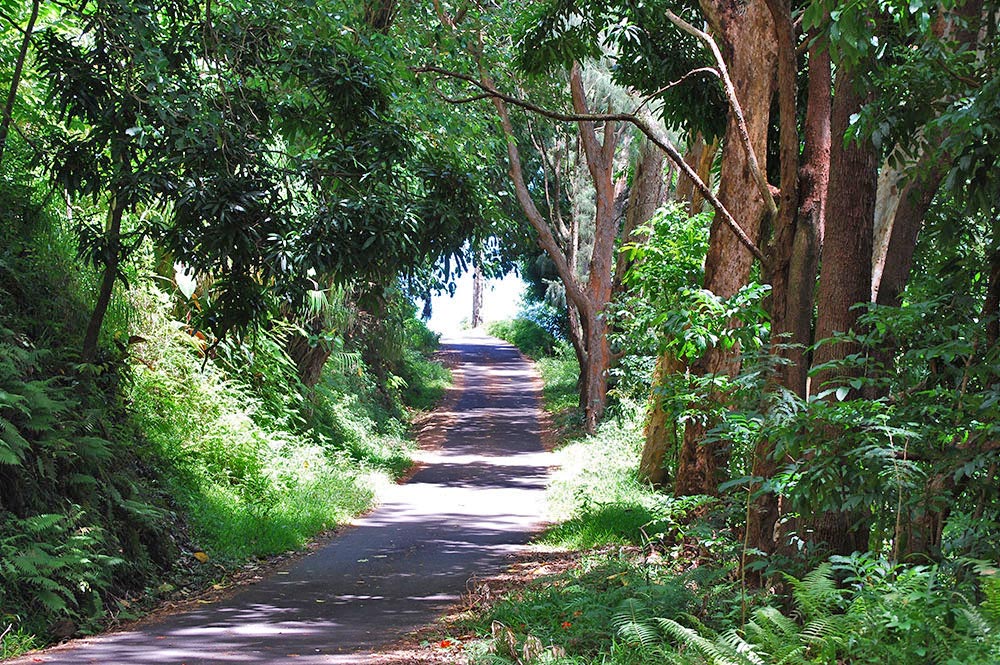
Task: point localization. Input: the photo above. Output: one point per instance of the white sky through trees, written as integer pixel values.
(501, 300)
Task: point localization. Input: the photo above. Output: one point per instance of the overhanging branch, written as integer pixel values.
(727, 83)
(643, 123)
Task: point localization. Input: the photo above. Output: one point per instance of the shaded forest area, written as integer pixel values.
(764, 231)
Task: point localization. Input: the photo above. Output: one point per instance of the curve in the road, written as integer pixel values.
(474, 503)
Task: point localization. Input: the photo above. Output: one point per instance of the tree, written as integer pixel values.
(128, 59)
(747, 36)
(15, 79)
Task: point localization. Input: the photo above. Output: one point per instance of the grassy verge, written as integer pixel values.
(158, 471)
(635, 562)
(656, 580)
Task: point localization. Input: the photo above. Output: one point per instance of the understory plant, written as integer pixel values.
(858, 609)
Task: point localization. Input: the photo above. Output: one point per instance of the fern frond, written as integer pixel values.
(744, 650)
(688, 638)
(816, 594)
(991, 606)
(631, 621)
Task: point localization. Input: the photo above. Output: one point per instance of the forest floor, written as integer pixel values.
(454, 533)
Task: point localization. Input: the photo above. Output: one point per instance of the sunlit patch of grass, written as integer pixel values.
(15, 640)
(426, 381)
(595, 496)
(560, 376)
(573, 617)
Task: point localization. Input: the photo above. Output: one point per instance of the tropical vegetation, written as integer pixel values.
(760, 243)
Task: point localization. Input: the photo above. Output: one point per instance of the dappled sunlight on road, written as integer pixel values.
(475, 502)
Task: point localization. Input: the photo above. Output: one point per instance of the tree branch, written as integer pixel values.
(643, 123)
(727, 82)
(588, 134)
(15, 81)
(648, 98)
(545, 238)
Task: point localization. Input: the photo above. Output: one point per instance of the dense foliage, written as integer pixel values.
(206, 351)
(215, 214)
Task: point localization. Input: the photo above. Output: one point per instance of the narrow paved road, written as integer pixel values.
(474, 503)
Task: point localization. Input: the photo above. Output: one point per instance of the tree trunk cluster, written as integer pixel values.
(833, 205)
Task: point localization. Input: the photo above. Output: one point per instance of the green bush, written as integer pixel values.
(532, 339)
(349, 411)
(82, 517)
(426, 380)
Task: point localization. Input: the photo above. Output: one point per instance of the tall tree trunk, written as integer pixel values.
(902, 225)
(700, 157)
(590, 299)
(905, 204)
(15, 81)
(747, 36)
(477, 295)
(599, 155)
(596, 375)
(685, 186)
(645, 196)
(794, 250)
(845, 279)
(309, 359)
(108, 279)
(660, 432)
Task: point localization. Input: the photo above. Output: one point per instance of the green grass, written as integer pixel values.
(595, 495)
(254, 476)
(560, 376)
(575, 617)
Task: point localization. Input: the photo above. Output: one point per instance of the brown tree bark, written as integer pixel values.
(914, 201)
(699, 157)
(589, 298)
(645, 197)
(794, 247)
(309, 359)
(746, 35)
(660, 432)
(477, 295)
(845, 280)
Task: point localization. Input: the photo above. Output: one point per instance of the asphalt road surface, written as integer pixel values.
(476, 502)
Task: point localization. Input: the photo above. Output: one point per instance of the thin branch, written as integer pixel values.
(12, 21)
(643, 123)
(727, 82)
(648, 98)
(15, 81)
(547, 241)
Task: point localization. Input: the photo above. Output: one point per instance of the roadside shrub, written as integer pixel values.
(252, 481)
(858, 609)
(576, 617)
(532, 339)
